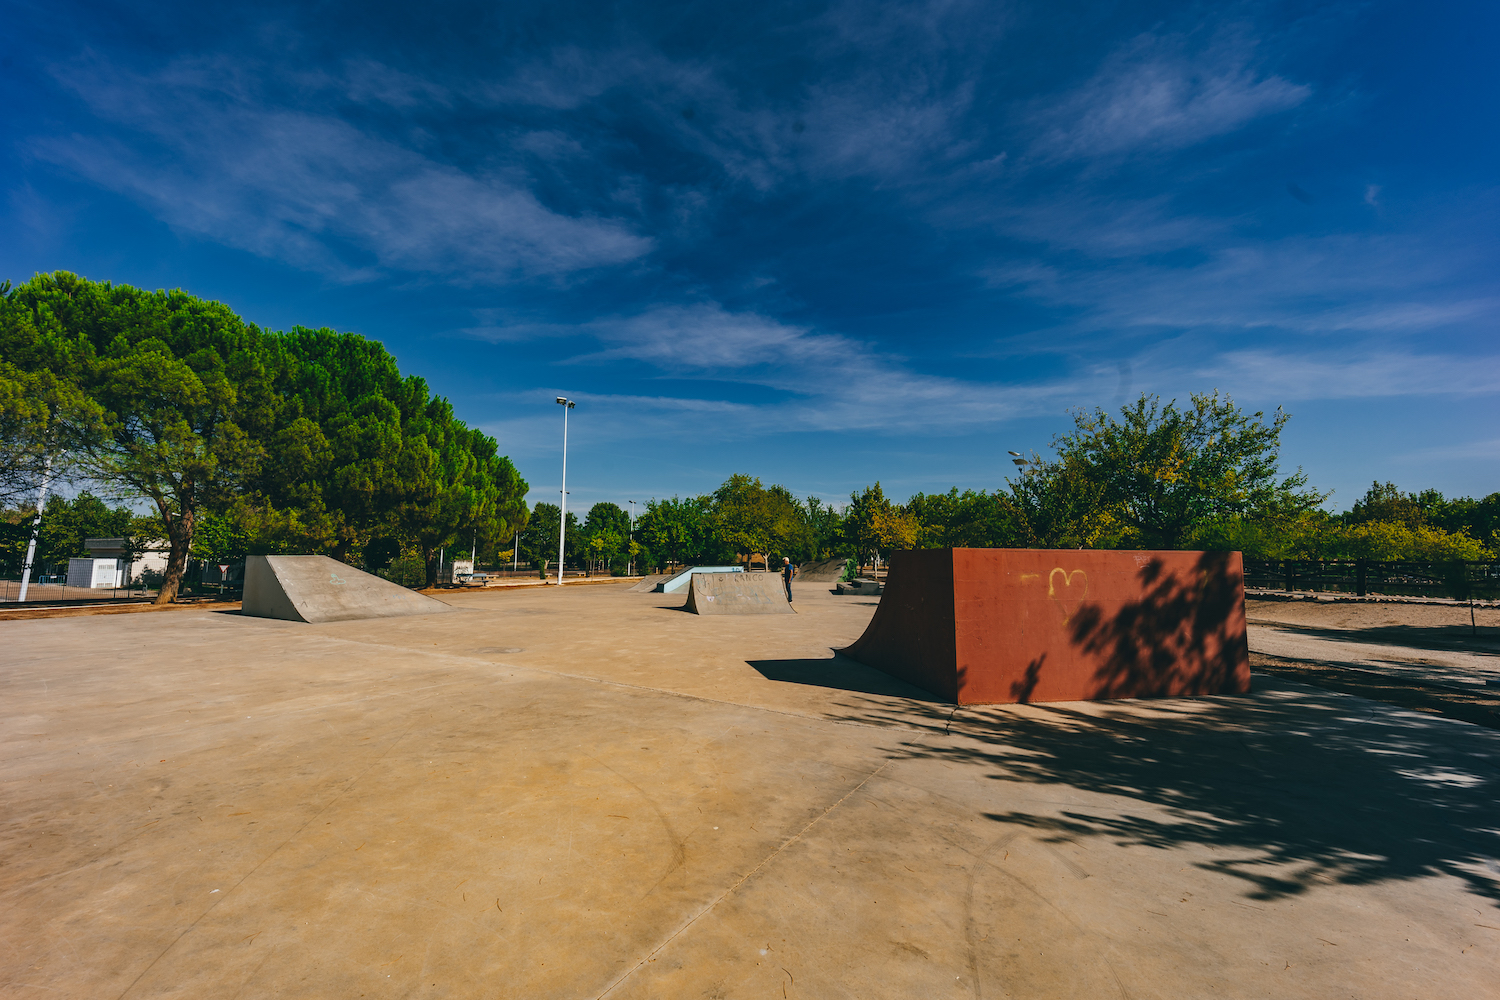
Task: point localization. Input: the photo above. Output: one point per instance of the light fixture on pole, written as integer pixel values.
(1018, 461)
(630, 568)
(562, 506)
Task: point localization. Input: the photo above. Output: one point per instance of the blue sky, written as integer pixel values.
(820, 243)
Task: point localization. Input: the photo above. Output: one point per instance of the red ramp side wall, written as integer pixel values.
(1063, 624)
(911, 635)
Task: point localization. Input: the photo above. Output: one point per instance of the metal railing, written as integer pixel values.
(1461, 580)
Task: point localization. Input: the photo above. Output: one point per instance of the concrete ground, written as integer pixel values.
(586, 792)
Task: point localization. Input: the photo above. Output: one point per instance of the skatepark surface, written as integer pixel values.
(585, 792)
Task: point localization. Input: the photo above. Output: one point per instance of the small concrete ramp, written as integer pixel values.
(678, 582)
(737, 594)
(824, 571)
(320, 589)
(650, 584)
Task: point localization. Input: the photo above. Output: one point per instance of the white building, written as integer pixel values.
(97, 574)
(110, 564)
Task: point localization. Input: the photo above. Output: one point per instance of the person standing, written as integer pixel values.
(787, 572)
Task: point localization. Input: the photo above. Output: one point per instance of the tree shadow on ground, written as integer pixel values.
(841, 673)
(1290, 787)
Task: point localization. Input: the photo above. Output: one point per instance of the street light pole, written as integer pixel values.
(562, 506)
(631, 541)
(36, 529)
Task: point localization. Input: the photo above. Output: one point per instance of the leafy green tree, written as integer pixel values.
(748, 517)
(972, 519)
(742, 520)
(1060, 504)
(607, 530)
(184, 385)
(455, 487)
(826, 525)
(867, 523)
(1163, 471)
(341, 432)
(678, 530)
(1384, 502)
(45, 421)
(539, 538)
(65, 525)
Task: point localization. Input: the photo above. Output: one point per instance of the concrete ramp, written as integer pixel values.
(320, 589)
(678, 583)
(824, 571)
(987, 626)
(737, 594)
(650, 584)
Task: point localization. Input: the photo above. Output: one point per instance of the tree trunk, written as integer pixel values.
(430, 558)
(180, 541)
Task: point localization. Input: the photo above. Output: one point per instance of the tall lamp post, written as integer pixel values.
(631, 540)
(562, 507)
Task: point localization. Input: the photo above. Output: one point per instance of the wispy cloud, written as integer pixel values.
(1376, 285)
(1152, 95)
(313, 189)
(816, 381)
(1289, 376)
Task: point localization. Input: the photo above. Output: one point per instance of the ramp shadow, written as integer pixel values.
(840, 673)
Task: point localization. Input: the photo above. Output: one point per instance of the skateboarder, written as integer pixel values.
(787, 572)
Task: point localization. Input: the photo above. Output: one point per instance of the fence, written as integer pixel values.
(1395, 578)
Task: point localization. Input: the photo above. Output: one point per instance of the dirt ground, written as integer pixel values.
(1422, 625)
(1334, 642)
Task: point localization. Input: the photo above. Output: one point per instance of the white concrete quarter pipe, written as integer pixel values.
(319, 589)
(737, 594)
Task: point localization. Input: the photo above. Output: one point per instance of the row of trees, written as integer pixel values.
(239, 439)
(243, 440)
(1154, 475)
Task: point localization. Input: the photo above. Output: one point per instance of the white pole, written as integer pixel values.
(36, 529)
(515, 557)
(562, 506)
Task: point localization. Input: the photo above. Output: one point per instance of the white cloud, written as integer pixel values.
(1286, 375)
(815, 381)
(295, 185)
(1151, 96)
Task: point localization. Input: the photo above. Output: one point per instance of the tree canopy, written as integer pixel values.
(1164, 471)
(243, 440)
(304, 441)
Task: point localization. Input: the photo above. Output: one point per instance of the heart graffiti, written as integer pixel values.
(1067, 599)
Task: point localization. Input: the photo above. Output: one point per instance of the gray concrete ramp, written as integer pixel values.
(650, 584)
(320, 589)
(737, 594)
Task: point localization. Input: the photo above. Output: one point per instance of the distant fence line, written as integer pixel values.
(1461, 580)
